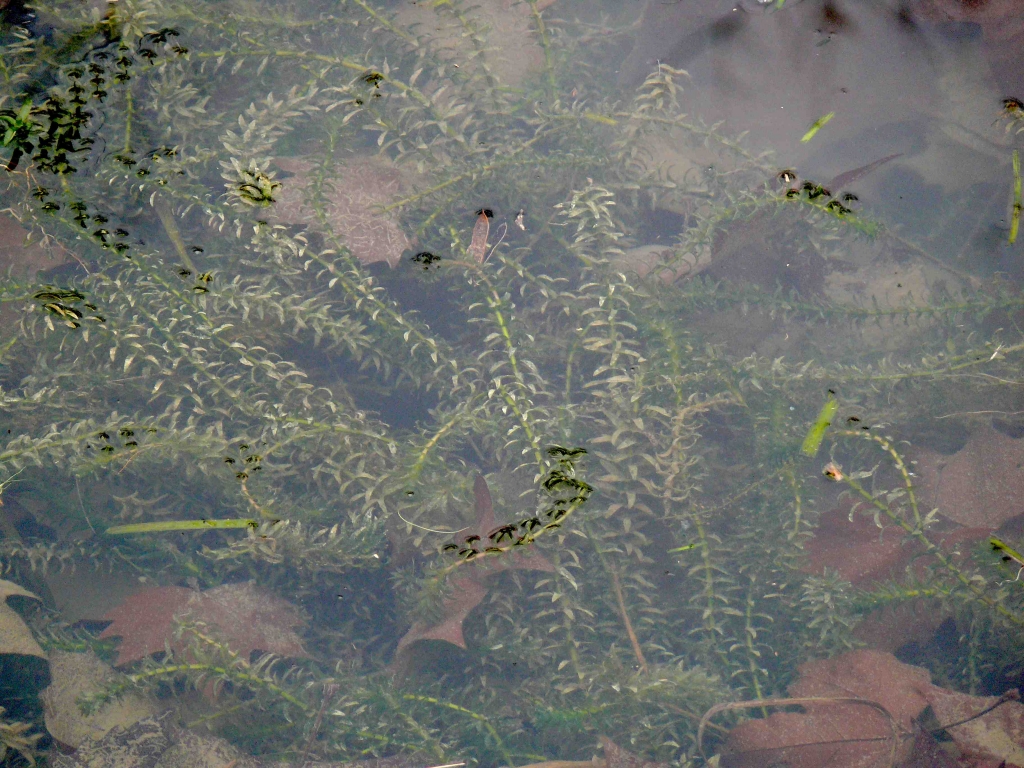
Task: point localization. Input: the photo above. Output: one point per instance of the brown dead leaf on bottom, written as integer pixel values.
(355, 197)
(1002, 29)
(15, 636)
(140, 745)
(614, 757)
(22, 257)
(985, 728)
(979, 486)
(469, 586)
(478, 245)
(73, 673)
(512, 42)
(864, 709)
(243, 616)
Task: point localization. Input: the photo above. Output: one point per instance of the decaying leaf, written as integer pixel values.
(15, 637)
(354, 199)
(243, 616)
(73, 673)
(478, 245)
(138, 746)
(996, 736)
(513, 49)
(193, 750)
(468, 585)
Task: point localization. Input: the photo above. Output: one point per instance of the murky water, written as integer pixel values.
(434, 383)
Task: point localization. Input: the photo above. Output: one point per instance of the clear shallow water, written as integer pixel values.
(525, 379)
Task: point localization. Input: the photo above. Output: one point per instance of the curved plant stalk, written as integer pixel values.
(917, 525)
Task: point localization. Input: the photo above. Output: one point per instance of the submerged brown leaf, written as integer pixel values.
(478, 246)
(866, 709)
(980, 485)
(354, 201)
(73, 673)
(140, 745)
(468, 586)
(15, 636)
(243, 616)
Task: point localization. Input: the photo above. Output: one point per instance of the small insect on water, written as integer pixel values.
(1013, 107)
(786, 177)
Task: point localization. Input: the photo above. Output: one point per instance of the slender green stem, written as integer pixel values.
(915, 529)
(468, 713)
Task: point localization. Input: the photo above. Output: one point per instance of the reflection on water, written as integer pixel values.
(558, 382)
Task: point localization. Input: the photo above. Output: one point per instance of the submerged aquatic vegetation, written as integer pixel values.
(16, 738)
(209, 357)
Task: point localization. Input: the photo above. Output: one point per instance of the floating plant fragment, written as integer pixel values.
(180, 525)
(817, 431)
(61, 304)
(818, 124)
(1015, 216)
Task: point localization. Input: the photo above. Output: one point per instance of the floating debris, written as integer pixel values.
(1015, 218)
(179, 525)
(684, 548)
(820, 123)
(817, 431)
(833, 472)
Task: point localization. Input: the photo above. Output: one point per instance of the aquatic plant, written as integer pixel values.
(16, 738)
(202, 357)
